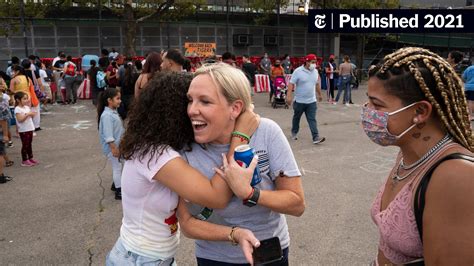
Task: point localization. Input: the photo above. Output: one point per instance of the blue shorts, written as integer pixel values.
(119, 256)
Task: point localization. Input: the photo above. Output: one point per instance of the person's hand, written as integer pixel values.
(247, 241)
(320, 98)
(247, 122)
(115, 152)
(289, 100)
(238, 178)
(31, 114)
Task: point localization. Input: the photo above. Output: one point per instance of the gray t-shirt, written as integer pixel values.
(286, 64)
(305, 81)
(275, 157)
(266, 65)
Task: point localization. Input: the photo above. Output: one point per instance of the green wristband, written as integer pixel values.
(237, 133)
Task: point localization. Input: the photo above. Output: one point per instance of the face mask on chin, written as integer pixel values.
(375, 125)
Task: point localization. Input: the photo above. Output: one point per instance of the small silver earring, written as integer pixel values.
(415, 120)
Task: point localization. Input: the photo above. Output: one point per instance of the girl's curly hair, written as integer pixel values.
(158, 118)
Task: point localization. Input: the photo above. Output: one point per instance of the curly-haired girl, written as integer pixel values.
(424, 211)
(155, 175)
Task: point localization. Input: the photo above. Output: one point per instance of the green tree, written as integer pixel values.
(266, 8)
(132, 11)
(168, 10)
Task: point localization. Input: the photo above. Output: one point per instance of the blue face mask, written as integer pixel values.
(375, 125)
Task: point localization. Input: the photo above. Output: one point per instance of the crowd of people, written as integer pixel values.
(170, 137)
(410, 105)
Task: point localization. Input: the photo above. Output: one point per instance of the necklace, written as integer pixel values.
(436, 148)
(445, 139)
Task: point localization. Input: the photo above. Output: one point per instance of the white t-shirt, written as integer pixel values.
(26, 125)
(149, 225)
(55, 60)
(6, 99)
(43, 75)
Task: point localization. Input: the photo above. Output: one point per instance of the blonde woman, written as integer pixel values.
(218, 94)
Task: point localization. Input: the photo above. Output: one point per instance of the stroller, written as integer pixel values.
(280, 90)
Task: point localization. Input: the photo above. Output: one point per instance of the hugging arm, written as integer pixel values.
(190, 184)
(197, 229)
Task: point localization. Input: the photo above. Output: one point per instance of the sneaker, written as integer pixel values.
(10, 144)
(38, 129)
(319, 140)
(346, 104)
(294, 137)
(27, 163)
(118, 194)
(34, 162)
(113, 187)
(8, 178)
(34, 134)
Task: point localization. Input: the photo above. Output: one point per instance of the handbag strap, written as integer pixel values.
(420, 194)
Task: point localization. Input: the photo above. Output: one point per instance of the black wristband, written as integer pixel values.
(252, 201)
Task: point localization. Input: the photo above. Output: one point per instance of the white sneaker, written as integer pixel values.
(346, 104)
(294, 137)
(319, 140)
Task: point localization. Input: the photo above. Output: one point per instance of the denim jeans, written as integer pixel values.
(346, 86)
(117, 167)
(309, 109)
(70, 89)
(119, 256)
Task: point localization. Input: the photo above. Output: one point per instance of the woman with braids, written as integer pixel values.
(155, 175)
(425, 209)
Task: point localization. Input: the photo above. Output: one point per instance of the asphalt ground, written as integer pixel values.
(63, 212)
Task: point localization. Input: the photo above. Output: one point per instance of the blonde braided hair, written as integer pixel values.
(414, 74)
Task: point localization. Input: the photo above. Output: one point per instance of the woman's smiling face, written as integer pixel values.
(209, 111)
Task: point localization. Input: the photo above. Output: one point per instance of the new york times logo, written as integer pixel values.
(319, 21)
(398, 20)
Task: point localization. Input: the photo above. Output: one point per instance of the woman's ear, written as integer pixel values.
(236, 109)
(423, 112)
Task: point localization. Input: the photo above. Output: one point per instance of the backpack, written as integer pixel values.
(100, 79)
(71, 69)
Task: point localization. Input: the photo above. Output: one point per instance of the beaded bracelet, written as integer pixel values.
(241, 135)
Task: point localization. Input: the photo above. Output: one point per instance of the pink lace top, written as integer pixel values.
(399, 237)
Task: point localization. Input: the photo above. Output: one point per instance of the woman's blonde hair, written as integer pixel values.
(232, 82)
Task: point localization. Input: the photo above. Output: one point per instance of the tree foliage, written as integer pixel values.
(355, 4)
(265, 8)
(131, 12)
